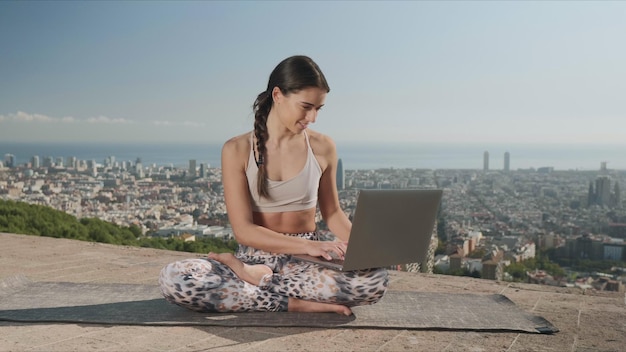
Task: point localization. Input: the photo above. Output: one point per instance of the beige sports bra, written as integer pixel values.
(297, 193)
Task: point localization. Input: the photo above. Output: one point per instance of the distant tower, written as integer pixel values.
(485, 161)
(617, 197)
(192, 168)
(603, 190)
(35, 161)
(47, 161)
(109, 161)
(92, 167)
(341, 175)
(603, 166)
(139, 169)
(591, 195)
(72, 162)
(203, 170)
(507, 161)
(9, 160)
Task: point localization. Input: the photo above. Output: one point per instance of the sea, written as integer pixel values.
(353, 155)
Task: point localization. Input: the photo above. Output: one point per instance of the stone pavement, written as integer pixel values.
(588, 321)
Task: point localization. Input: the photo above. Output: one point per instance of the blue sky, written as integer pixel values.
(450, 71)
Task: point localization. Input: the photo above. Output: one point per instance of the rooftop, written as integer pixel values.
(587, 320)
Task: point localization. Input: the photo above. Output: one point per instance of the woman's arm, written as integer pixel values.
(328, 199)
(238, 205)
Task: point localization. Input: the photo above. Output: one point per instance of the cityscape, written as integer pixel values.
(490, 218)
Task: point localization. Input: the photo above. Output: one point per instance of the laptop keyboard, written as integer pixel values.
(334, 261)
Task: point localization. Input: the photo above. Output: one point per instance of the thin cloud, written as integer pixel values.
(24, 117)
(108, 120)
(68, 119)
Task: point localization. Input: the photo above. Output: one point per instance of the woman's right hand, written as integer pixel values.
(327, 249)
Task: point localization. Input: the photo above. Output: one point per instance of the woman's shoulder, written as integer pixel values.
(321, 143)
(237, 144)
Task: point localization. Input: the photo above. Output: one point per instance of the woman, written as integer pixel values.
(274, 177)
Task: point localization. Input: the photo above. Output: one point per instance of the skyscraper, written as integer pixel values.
(35, 161)
(9, 160)
(72, 162)
(47, 161)
(602, 194)
(109, 161)
(139, 169)
(507, 161)
(192, 168)
(341, 175)
(617, 196)
(603, 166)
(603, 190)
(485, 161)
(203, 170)
(591, 195)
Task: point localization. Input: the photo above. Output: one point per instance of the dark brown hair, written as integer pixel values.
(291, 75)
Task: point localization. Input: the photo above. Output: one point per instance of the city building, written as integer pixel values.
(493, 267)
(547, 241)
(601, 194)
(48, 162)
(72, 162)
(35, 162)
(198, 231)
(456, 261)
(9, 160)
(109, 162)
(615, 249)
(603, 190)
(507, 162)
(583, 247)
(616, 197)
(192, 168)
(341, 175)
(485, 161)
(204, 170)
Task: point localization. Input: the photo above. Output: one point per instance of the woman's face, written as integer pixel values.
(297, 110)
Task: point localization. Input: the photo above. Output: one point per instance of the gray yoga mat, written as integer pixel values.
(22, 300)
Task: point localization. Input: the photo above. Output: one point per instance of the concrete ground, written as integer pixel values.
(588, 321)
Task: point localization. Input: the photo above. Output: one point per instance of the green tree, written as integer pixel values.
(517, 271)
(37, 220)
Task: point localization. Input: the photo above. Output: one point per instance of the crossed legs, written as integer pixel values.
(254, 274)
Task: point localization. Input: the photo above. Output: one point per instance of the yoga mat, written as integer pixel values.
(23, 300)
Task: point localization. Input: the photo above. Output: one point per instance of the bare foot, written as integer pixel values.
(251, 274)
(298, 305)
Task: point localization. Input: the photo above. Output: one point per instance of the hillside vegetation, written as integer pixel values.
(38, 220)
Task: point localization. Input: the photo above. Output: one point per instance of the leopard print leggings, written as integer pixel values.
(206, 285)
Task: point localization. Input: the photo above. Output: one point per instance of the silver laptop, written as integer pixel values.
(390, 227)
